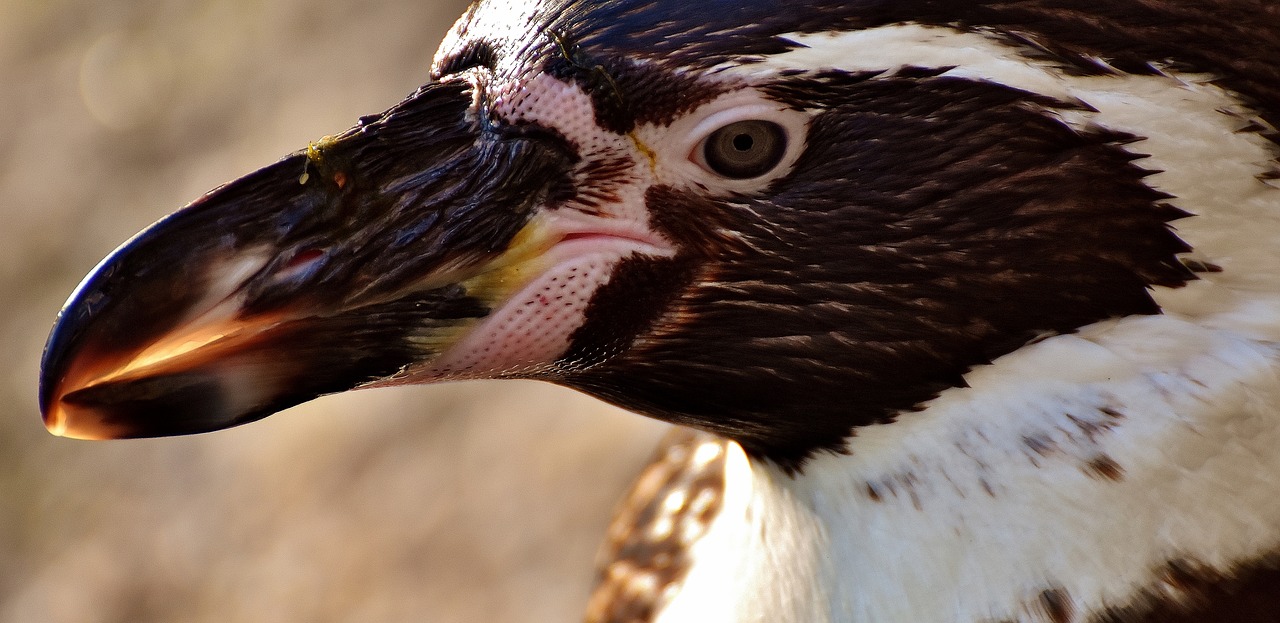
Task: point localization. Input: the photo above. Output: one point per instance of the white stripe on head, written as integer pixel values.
(1189, 126)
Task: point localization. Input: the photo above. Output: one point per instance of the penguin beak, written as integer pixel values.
(356, 261)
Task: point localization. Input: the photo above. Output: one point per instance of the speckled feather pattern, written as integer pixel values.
(670, 506)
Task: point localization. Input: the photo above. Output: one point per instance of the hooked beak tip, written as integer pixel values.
(178, 403)
(65, 419)
(55, 421)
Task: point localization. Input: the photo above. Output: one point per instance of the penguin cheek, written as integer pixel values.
(531, 329)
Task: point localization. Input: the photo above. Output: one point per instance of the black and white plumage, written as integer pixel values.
(986, 331)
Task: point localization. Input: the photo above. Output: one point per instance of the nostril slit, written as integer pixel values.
(300, 263)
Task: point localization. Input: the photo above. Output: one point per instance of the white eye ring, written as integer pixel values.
(776, 138)
(677, 150)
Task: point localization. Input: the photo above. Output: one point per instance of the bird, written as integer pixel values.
(967, 310)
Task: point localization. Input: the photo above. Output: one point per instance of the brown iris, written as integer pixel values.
(745, 149)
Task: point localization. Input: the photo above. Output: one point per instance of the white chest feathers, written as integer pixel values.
(1082, 466)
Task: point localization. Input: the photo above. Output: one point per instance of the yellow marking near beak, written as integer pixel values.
(500, 276)
(648, 152)
(504, 275)
(315, 149)
(315, 156)
(493, 282)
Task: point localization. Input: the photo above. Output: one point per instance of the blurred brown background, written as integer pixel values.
(466, 502)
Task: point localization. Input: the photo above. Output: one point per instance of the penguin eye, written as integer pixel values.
(744, 149)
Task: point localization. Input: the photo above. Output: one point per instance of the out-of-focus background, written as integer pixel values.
(465, 502)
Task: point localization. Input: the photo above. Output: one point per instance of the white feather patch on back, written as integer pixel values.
(1082, 463)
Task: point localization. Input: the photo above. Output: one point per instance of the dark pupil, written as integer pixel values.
(745, 149)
